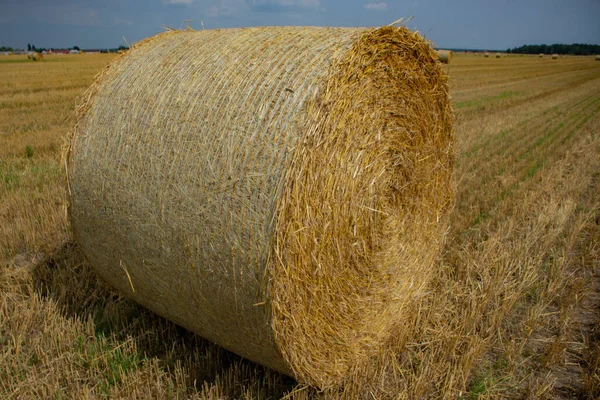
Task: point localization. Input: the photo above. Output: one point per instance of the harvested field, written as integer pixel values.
(512, 312)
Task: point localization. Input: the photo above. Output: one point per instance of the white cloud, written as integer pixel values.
(381, 6)
(185, 2)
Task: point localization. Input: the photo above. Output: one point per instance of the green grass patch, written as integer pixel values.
(28, 151)
(110, 359)
(478, 103)
(28, 173)
(487, 379)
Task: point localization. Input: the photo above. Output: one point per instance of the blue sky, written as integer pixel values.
(482, 24)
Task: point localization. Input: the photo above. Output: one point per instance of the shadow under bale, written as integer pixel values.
(65, 277)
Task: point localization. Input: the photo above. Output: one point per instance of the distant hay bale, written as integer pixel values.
(541, 55)
(598, 58)
(285, 196)
(35, 56)
(445, 56)
(554, 56)
(498, 55)
(486, 55)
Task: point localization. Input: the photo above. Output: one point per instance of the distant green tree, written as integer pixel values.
(28, 47)
(121, 47)
(577, 49)
(76, 48)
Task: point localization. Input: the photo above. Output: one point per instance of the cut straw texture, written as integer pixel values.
(282, 192)
(445, 56)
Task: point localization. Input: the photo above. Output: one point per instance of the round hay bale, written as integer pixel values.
(598, 58)
(541, 55)
(498, 55)
(555, 56)
(486, 55)
(30, 55)
(281, 192)
(37, 57)
(445, 56)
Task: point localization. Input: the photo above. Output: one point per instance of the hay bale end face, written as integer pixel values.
(282, 192)
(445, 56)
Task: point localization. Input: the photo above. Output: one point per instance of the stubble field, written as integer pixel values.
(513, 312)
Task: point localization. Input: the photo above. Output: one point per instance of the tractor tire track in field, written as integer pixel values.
(515, 155)
(530, 163)
(527, 74)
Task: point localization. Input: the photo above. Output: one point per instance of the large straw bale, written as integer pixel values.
(598, 58)
(555, 56)
(282, 192)
(445, 56)
(35, 56)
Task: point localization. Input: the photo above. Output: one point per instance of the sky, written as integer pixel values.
(475, 24)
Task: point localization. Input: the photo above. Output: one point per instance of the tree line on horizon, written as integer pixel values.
(576, 49)
(31, 47)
